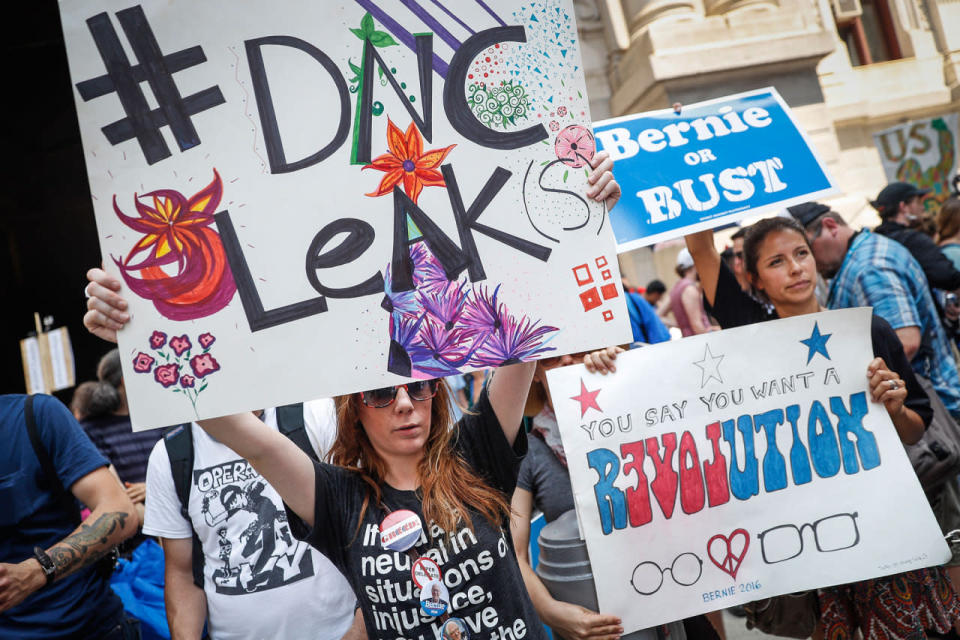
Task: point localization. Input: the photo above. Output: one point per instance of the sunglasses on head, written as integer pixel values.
(384, 397)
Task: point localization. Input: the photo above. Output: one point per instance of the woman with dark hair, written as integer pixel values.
(410, 498)
(780, 265)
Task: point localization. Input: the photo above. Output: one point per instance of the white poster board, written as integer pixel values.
(924, 153)
(739, 465)
(313, 198)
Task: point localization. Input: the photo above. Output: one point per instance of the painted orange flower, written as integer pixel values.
(407, 161)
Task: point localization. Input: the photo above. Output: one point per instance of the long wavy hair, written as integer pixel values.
(447, 483)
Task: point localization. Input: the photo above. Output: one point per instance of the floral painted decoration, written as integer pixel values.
(407, 163)
(182, 369)
(575, 146)
(443, 325)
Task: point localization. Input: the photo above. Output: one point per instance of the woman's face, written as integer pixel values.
(400, 429)
(786, 269)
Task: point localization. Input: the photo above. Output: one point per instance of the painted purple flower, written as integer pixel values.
(446, 346)
(428, 273)
(206, 339)
(180, 344)
(186, 381)
(204, 364)
(483, 312)
(513, 342)
(405, 345)
(445, 305)
(158, 339)
(399, 301)
(167, 374)
(143, 363)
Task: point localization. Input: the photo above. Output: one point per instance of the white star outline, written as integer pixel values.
(709, 371)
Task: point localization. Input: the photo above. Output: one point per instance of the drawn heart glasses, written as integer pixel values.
(685, 570)
(833, 533)
(385, 396)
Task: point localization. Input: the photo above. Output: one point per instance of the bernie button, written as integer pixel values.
(455, 629)
(434, 598)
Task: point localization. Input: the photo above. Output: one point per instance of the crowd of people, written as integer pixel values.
(278, 523)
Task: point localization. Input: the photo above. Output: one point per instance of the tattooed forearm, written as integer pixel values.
(88, 543)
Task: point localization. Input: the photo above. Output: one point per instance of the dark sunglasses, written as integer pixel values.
(384, 397)
(738, 255)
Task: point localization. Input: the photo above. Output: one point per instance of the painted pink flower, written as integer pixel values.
(186, 381)
(204, 364)
(142, 363)
(180, 344)
(575, 146)
(554, 125)
(562, 111)
(158, 339)
(167, 374)
(206, 339)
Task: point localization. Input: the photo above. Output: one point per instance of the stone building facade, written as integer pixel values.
(847, 68)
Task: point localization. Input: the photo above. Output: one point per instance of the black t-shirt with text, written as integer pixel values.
(733, 307)
(479, 567)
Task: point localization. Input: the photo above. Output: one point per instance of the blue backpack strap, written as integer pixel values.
(290, 424)
(51, 481)
(179, 444)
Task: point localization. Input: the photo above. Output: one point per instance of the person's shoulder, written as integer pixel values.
(880, 328)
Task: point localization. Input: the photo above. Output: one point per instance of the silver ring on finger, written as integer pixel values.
(894, 385)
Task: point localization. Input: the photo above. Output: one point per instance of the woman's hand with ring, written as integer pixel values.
(886, 387)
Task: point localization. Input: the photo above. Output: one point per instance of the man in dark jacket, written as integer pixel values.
(900, 207)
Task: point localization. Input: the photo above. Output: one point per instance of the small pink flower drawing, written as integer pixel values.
(142, 363)
(180, 344)
(575, 146)
(178, 363)
(158, 339)
(167, 374)
(204, 364)
(554, 125)
(561, 111)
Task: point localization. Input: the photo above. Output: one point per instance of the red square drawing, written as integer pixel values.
(609, 291)
(590, 299)
(607, 315)
(582, 275)
(601, 262)
(605, 274)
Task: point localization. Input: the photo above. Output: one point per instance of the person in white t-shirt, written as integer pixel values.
(259, 581)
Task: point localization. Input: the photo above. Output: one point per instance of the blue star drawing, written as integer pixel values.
(709, 367)
(817, 343)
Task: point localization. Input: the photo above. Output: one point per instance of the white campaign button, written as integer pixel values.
(400, 530)
(434, 598)
(455, 629)
(424, 570)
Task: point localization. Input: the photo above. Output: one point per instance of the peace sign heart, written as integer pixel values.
(726, 559)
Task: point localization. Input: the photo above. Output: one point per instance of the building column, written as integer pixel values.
(640, 13)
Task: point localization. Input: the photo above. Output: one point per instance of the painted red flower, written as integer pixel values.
(158, 339)
(186, 381)
(407, 161)
(575, 146)
(142, 363)
(179, 263)
(180, 344)
(167, 374)
(206, 339)
(204, 364)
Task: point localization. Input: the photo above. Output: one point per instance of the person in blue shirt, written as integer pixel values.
(647, 326)
(50, 586)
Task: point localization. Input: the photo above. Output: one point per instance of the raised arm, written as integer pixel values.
(707, 260)
(282, 463)
(508, 389)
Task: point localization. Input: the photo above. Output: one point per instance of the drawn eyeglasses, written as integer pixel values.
(832, 533)
(685, 570)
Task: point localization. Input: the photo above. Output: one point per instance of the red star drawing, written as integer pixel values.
(587, 399)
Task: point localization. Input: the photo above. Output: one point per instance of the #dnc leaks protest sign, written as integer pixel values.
(739, 465)
(713, 163)
(312, 198)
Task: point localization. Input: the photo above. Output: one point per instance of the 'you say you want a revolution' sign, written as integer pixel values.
(314, 198)
(739, 465)
(712, 163)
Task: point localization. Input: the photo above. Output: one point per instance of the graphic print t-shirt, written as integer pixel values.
(260, 581)
(479, 567)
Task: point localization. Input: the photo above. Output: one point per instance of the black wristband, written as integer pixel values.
(49, 569)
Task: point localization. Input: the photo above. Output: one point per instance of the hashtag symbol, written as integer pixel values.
(155, 68)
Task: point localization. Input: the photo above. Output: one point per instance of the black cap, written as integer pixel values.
(807, 212)
(889, 199)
